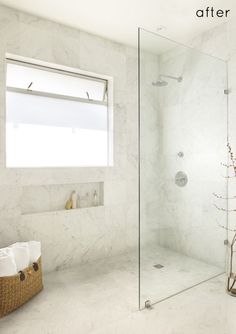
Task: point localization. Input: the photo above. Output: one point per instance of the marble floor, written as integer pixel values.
(102, 298)
(179, 272)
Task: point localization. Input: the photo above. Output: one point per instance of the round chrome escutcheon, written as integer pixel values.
(181, 179)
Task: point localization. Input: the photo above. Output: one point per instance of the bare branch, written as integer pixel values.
(223, 209)
(231, 274)
(226, 228)
(228, 177)
(221, 197)
(227, 166)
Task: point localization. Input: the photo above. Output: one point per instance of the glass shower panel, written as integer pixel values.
(182, 137)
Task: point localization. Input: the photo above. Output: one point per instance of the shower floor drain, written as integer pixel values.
(158, 266)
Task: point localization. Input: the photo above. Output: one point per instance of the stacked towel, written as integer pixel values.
(18, 256)
(7, 262)
(7, 250)
(21, 254)
(35, 251)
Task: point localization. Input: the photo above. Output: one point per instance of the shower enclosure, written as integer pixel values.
(182, 145)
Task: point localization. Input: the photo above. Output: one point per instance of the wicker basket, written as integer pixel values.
(17, 290)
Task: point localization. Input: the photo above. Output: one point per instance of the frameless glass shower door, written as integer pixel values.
(182, 141)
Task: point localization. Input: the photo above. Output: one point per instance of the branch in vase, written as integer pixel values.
(225, 165)
(228, 177)
(226, 228)
(221, 197)
(223, 209)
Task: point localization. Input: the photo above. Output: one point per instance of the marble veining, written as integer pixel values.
(84, 235)
(190, 116)
(102, 298)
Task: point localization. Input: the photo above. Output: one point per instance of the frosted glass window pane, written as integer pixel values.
(49, 132)
(20, 76)
(30, 145)
(32, 109)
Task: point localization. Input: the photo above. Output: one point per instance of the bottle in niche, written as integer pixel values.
(95, 198)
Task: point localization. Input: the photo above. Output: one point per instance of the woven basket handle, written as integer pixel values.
(22, 275)
(35, 266)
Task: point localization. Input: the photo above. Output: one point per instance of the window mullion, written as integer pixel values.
(55, 96)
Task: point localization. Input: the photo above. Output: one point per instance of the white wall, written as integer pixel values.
(191, 117)
(221, 42)
(194, 121)
(89, 234)
(149, 146)
(86, 234)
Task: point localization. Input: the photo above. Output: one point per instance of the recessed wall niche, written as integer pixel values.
(39, 199)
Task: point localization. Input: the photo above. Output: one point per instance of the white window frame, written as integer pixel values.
(10, 58)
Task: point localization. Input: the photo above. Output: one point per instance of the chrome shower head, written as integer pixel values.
(163, 83)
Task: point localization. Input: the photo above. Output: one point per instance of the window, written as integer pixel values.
(55, 117)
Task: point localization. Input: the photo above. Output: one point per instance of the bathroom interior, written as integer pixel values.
(113, 155)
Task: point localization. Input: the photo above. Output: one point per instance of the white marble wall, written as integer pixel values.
(220, 42)
(149, 146)
(87, 234)
(229, 45)
(194, 121)
(191, 117)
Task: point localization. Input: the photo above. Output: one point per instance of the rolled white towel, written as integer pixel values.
(6, 250)
(35, 250)
(7, 263)
(21, 254)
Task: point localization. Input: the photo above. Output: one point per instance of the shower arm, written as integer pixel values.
(179, 79)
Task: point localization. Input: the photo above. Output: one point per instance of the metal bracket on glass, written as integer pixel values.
(148, 304)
